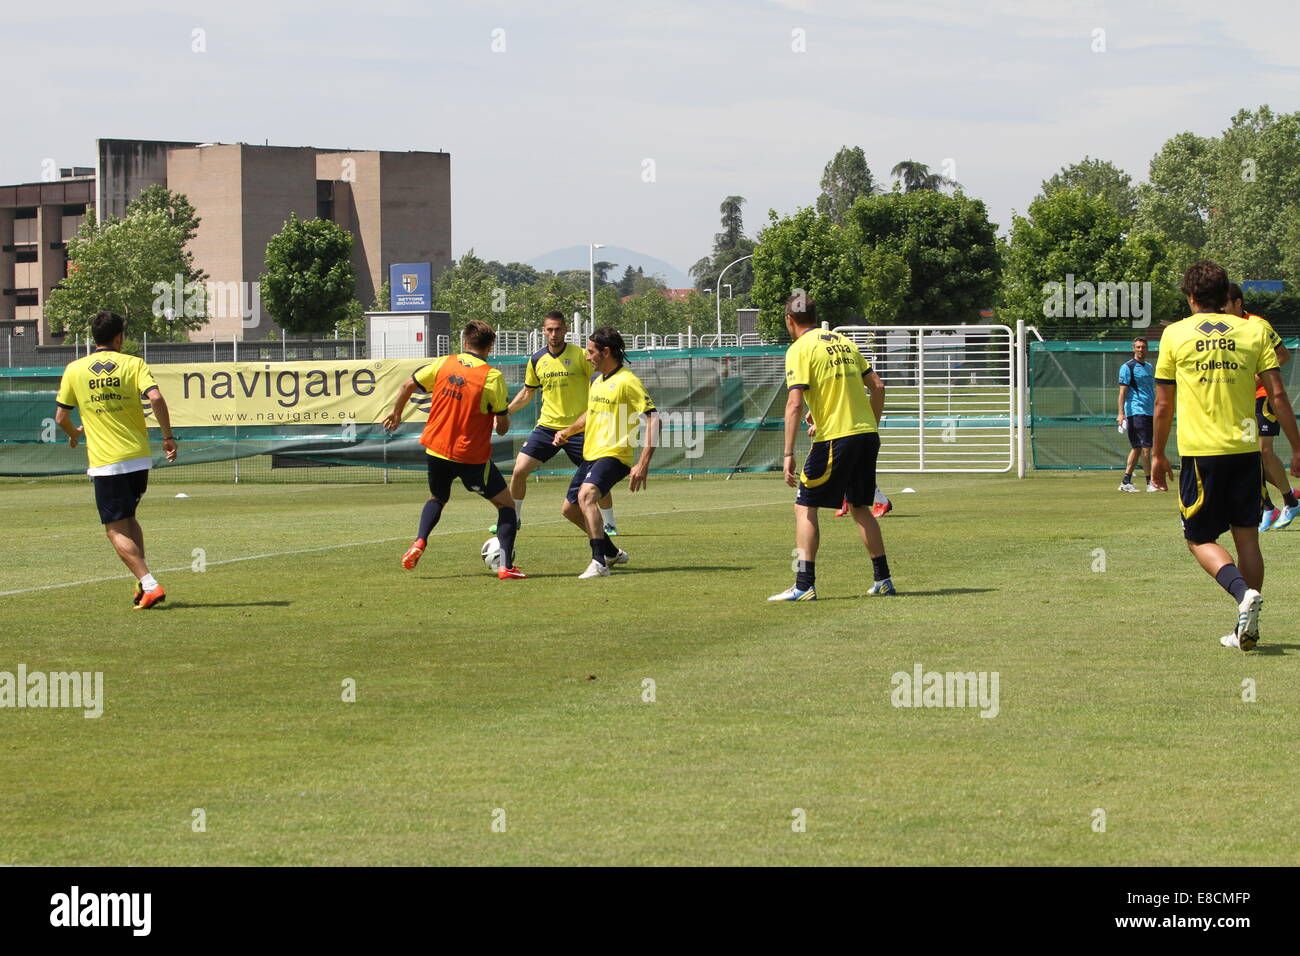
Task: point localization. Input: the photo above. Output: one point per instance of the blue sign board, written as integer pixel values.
(1263, 285)
(410, 286)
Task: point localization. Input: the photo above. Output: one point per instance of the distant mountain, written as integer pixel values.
(575, 257)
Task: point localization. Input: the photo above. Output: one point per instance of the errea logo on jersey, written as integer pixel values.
(103, 367)
(1214, 328)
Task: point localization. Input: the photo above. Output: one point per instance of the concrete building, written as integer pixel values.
(396, 205)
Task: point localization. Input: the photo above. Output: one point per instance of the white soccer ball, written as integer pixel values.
(492, 554)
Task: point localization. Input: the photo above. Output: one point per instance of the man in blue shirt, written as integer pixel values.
(1137, 403)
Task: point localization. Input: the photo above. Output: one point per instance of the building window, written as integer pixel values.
(25, 253)
(325, 199)
(25, 212)
(75, 209)
(24, 297)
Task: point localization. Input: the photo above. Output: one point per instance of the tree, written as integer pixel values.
(947, 244)
(917, 176)
(354, 323)
(1175, 200)
(1097, 177)
(309, 281)
(728, 245)
(845, 178)
(1073, 246)
(886, 284)
(179, 212)
(806, 252)
(123, 265)
(512, 274)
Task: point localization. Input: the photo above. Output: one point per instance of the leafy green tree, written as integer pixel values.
(947, 243)
(120, 265)
(513, 274)
(728, 245)
(179, 212)
(886, 284)
(1175, 199)
(1098, 177)
(917, 177)
(1072, 237)
(806, 252)
(1254, 190)
(309, 282)
(845, 178)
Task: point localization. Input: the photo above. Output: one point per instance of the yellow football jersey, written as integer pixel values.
(614, 407)
(109, 387)
(829, 368)
(563, 380)
(1213, 359)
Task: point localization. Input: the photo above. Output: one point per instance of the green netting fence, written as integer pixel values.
(721, 411)
(1073, 399)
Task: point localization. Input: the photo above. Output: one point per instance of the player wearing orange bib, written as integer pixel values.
(467, 399)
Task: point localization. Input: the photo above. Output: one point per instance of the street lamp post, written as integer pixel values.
(720, 284)
(591, 277)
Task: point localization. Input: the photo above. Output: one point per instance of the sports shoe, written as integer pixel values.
(492, 529)
(139, 593)
(507, 574)
(611, 529)
(1127, 486)
(883, 587)
(1269, 516)
(881, 508)
(1247, 632)
(844, 509)
(1230, 640)
(149, 598)
(1151, 487)
(412, 556)
(792, 593)
(1287, 515)
(621, 558)
(595, 570)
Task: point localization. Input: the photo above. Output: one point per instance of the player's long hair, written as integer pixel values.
(607, 337)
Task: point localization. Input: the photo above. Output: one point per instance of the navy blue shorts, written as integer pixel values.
(540, 445)
(604, 473)
(839, 469)
(1219, 492)
(117, 496)
(482, 478)
(1269, 426)
(1139, 431)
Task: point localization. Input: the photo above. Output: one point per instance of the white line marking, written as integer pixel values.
(362, 544)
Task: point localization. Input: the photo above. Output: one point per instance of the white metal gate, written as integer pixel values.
(950, 396)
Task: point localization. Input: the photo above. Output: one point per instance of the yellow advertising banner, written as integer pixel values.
(285, 393)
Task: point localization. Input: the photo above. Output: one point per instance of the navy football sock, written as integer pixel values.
(805, 575)
(507, 526)
(611, 549)
(598, 550)
(880, 568)
(429, 517)
(1230, 579)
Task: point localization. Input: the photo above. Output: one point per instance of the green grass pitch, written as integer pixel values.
(522, 702)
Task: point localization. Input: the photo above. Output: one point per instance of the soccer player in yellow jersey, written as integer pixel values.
(617, 403)
(828, 371)
(1206, 370)
(107, 386)
(1269, 429)
(562, 373)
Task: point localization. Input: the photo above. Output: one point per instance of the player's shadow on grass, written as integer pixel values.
(203, 605)
(940, 592)
(656, 569)
(1276, 650)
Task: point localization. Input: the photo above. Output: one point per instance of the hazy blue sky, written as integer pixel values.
(548, 138)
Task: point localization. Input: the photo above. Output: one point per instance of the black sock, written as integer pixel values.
(1230, 579)
(598, 550)
(611, 549)
(429, 517)
(507, 525)
(1128, 477)
(1268, 503)
(1289, 498)
(880, 568)
(806, 575)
